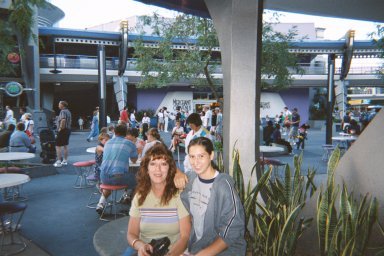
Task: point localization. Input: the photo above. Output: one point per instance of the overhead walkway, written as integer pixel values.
(78, 64)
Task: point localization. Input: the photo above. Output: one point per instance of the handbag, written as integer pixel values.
(30, 136)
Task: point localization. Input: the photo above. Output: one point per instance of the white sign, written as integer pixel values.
(177, 99)
(271, 104)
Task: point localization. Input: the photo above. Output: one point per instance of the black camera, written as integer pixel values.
(160, 246)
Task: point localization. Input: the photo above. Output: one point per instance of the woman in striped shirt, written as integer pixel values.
(156, 209)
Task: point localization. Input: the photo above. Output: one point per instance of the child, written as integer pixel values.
(302, 136)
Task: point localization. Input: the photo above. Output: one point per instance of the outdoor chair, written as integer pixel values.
(112, 200)
(92, 201)
(328, 149)
(11, 242)
(275, 163)
(179, 145)
(83, 168)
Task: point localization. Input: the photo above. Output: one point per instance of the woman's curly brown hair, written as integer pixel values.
(158, 151)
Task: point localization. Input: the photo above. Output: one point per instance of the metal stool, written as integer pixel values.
(328, 149)
(178, 152)
(91, 179)
(112, 202)
(11, 214)
(83, 169)
(275, 163)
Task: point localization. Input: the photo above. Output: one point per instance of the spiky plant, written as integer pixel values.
(345, 231)
(276, 222)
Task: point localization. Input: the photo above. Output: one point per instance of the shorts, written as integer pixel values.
(62, 138)
(294, 131)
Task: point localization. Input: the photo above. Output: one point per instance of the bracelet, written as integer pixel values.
(133, 242)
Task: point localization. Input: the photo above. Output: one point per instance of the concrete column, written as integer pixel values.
(236, 25)
(120, 89)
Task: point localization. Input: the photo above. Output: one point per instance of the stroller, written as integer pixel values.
(47, 143)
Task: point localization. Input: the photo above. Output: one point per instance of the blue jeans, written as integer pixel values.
(125, 178)
(130, 251)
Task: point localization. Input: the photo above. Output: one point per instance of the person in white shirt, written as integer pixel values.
(80, 121)
(286, 117)
(22, 112)
(197, 130)
(207, 117)
(132, 119)
(9, 119)
(166, 118)
(160, 121)
(177, 133)
(146, 119)
(29, 124)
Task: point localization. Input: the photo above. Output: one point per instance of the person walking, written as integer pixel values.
(94, 126)
(80, 121)
(166, 118)
(124, 115)
(9, 117)
(160, 120)
(63, 125)
(294, 126)
(132, 118)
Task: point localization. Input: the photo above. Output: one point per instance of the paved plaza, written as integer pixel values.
(57, 220)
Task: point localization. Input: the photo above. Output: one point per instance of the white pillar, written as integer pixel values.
(236, 25)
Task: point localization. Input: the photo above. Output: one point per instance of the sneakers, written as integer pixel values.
(64, 162)
(126, 198)
(57, 164)
(100, 208)
(88, 140)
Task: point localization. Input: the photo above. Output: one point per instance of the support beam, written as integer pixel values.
(330, 99)
(236, 25)
(102, 85)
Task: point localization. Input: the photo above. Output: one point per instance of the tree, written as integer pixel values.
(378, 38)
(197, 57)
(16, 30)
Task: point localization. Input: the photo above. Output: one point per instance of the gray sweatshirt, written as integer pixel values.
(224, 217)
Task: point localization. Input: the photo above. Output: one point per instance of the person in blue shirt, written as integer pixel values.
(114, 169)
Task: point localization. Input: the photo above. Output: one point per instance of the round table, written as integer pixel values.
(270, 149)
(91, 150)
(344, 138)
(11, 156)
(13, 179)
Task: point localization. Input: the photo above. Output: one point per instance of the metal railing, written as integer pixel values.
(112, 63)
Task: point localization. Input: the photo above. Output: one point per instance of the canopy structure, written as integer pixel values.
(369, 10)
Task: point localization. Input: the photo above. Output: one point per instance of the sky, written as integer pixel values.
(81, 14)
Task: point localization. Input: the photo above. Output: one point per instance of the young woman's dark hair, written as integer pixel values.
(144, 132)
(155, 133)
(202, 141)
(133, 131)
(158, 151)
(195, 119)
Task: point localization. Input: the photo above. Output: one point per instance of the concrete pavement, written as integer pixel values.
(57, 221)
